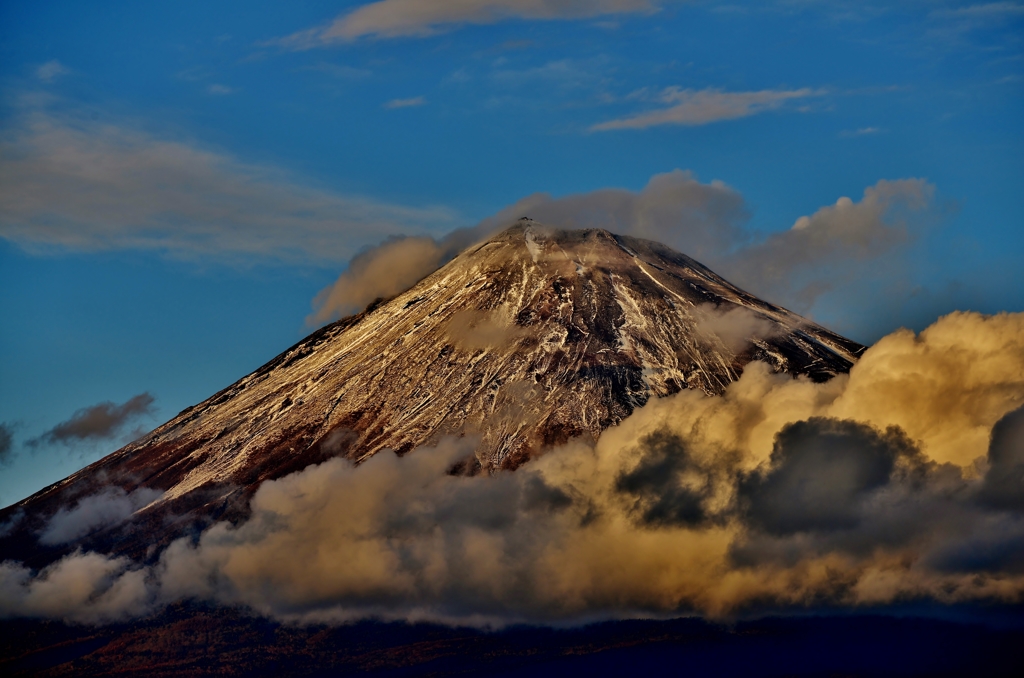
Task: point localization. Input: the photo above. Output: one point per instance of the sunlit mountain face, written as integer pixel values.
(625, 335)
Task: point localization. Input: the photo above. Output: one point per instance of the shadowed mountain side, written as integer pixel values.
(194, 641)
(526, 340)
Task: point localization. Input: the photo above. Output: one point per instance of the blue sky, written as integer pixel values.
(178, 182)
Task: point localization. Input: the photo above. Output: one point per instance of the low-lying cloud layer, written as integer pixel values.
(98, 422)
(820, 253)
(900, 481)
(107, 508)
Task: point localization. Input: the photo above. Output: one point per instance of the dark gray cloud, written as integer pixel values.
(1003, 486)
(98, 422)
(822, 471)
(667, 486)
(6, 443)
(841, 487)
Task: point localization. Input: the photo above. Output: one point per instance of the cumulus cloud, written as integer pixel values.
(828, 248)
(400, 18)
(6, 443)
(819, 473)
(1004, 481)
(781, 493)
(381, 272)
(693, 107)
(109, 507)
(82, 587)
(76, 184)
(98, 422)
(820, 254)
(674, 208)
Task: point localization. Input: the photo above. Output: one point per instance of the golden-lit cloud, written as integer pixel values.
(820, 254)
(892, 483)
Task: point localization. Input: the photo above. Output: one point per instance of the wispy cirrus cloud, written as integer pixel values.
(405, 18)
(999, 22)
(72, 183)
(861, 132)
(51, 70)
(220, 90)
(406, 103)
(987, 10)
(701, 107)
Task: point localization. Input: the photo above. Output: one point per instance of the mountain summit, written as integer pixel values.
(526, 340)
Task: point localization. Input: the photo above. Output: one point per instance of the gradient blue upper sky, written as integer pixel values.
(179, 180)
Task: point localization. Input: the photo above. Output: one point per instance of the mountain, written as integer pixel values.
(526, 340)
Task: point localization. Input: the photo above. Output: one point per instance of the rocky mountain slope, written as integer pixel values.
(526, 340)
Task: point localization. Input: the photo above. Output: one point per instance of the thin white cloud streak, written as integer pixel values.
(51, 70)
(702, 107)
(67, 183)
(406, 103)
(861, 132)
(405, 18)
(989, 11)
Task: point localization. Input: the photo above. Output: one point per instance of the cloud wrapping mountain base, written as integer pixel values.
(900, 481)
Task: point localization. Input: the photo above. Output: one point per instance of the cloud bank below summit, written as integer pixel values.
(897, 482)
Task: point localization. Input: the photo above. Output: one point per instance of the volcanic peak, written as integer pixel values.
(526, 340)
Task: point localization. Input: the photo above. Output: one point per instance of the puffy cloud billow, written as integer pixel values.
(821, 254)
(901, 481)
(106, 508)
